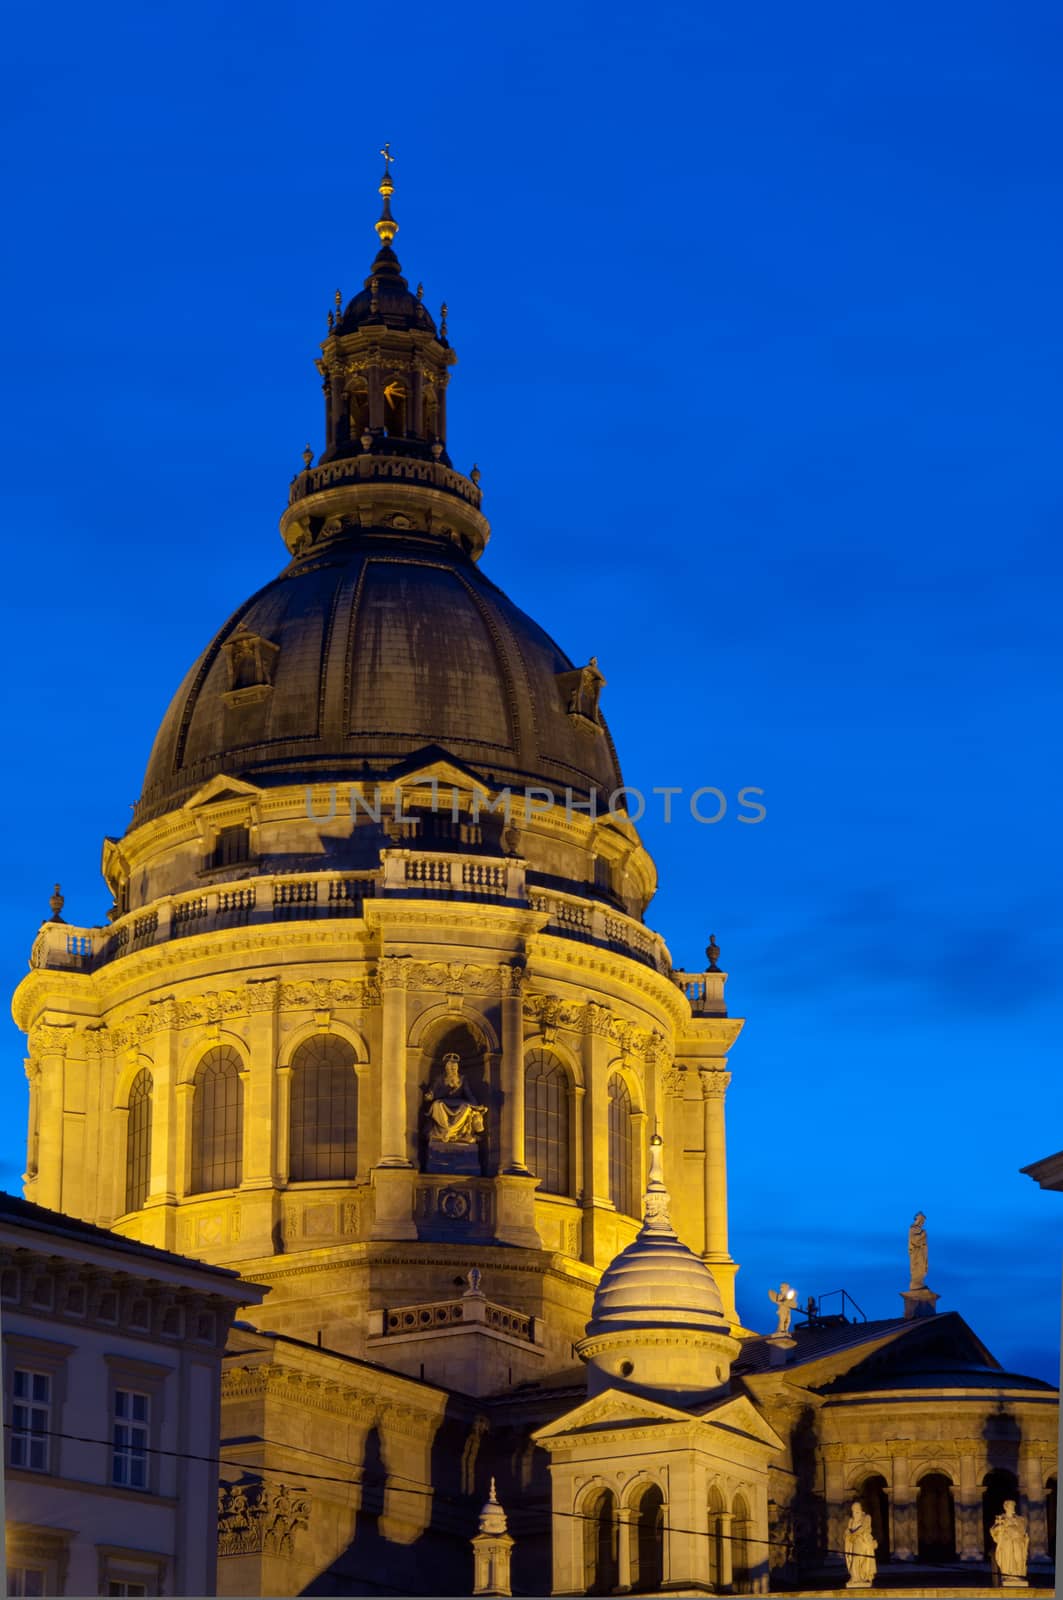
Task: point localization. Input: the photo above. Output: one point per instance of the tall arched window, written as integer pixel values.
(217, 1122)
(324, 1110)
(741, 1533)
(546, 1122)
(621, 1148)
(717, 1533)
(138, 1142)
(647, 1546)
(600, 1544)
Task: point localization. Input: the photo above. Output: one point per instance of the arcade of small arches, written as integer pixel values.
(321, 1116)
(935, 1518)
(624, 1538)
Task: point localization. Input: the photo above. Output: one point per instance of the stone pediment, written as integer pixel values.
(221, 787)
(613, 1410)
(739, 1415)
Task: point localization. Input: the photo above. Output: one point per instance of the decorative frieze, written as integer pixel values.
(256, 1519)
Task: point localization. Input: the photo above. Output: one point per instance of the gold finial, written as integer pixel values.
(57, 903)
(331, 321)
(339, 301)
(475, 474)
(387, 227)
(308, 456)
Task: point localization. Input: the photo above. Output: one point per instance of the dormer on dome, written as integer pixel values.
(658, 1327)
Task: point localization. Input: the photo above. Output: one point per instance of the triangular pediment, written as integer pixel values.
(739, 1415)
(613, 1410)
(221, 787)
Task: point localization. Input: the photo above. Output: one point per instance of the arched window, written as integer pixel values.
(600, 1543)
(324, 1110)
(138, 1142)
(741, 1532)
(546, 1122)
(936, 1518)
(717, 1564)
(875, 1501)
(395, 408)
(647, 1546)
(997, 1486)
(358, 407)
(217, 1122)
(621, 1148)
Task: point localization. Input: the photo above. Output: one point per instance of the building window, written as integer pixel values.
(600, 1544)
(232, 846)
(31, 1413)
(120, 1586)
(138, 1142)
(324, 1111)
(217, 1122)
(546, 1122)
(648, 1543)
(621, 1148)
(129, 1461)
(25, 1581)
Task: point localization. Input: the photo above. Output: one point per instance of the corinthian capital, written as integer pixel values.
(511, 980)
(714, 1081)
(391, 972)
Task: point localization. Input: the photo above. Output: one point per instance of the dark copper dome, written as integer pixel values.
(363, 653)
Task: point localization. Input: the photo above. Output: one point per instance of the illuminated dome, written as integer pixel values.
(657, 1282)
(366, 651)
(382, 641)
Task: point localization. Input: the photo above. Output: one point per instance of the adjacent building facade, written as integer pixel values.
(112, 1356)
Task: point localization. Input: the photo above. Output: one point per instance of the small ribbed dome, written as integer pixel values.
(657, 1282)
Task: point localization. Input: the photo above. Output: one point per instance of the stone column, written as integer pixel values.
(968, 1501)
(512, 1152)
(48, 1046)
(904, 1537)
(184, 1095)
(394, 1135)
(33, 1073)
(284, 1124)
(392, 1177)
(163, 1185)
(623, 1547)
(838, 1503)
(714, 1082)
(259, 1117)
(598, 1224)
(1032, 1490)
(724, 1520)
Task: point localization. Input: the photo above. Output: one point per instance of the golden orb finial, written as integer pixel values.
(387, 227)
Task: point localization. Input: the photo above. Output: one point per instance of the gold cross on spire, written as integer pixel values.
(388, 158)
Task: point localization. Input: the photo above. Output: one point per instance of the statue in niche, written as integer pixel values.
(860, 1547)
(917, 1252)
(454, 1121)
(1011, 1546)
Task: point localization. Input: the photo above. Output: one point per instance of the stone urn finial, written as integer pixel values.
(57, 903)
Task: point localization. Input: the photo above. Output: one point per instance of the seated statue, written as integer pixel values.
(454, 1116)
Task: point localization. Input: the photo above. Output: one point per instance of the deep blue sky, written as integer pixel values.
(760, 341)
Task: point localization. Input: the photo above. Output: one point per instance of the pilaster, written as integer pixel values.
(512, 1152)
(714, 1084)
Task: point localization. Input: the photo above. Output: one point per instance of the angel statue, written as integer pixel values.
(860, 1547)
(784, 1298)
